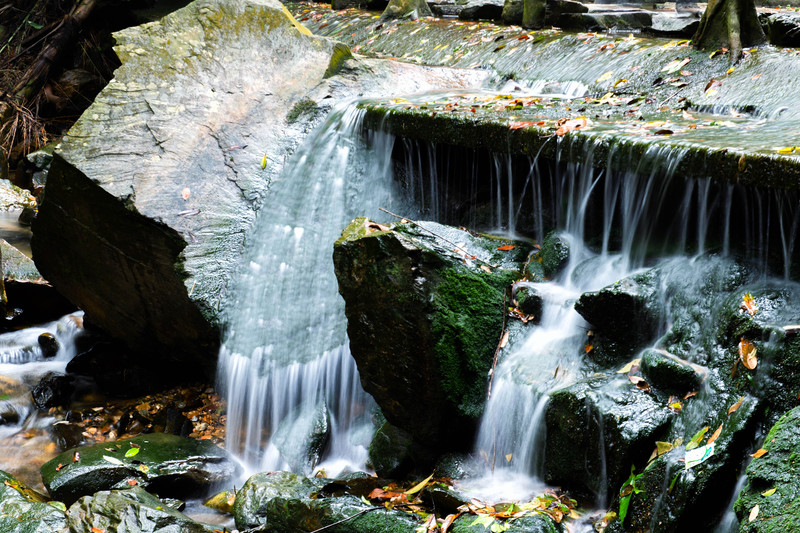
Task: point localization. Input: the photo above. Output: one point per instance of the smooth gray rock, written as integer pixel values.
(24, 511)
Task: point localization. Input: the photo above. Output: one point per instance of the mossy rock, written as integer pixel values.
(166, 464)
(250, 507)
(424, 320)
(525, 524)
(391, 451)
(778, 471)
(24, 511)
(669, 373)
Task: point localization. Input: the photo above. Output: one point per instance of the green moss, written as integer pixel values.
(467, 321)
(306, 105)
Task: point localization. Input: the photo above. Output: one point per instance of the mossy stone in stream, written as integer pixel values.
(554, 254)
(250, 507)
(526, 524)
(133, 510)
(669, 373)
(166, 464)
(391, 451)
(24, 511)
(777, 471)
(424, 319)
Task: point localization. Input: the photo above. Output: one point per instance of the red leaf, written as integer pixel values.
(506, 247)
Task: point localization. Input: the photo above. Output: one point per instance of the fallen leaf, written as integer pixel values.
(419, 486)
(131, 452)
(449, 521)
(627, 368)
(504, 340)
(742, 163)
(761, 452)
(696, 439)
(509, 456)
(588, 348)
(768, 493)
(753, 513)
(571, 125)
(113, 460)
(98, 530)
(715, 435)
(788, 149)
(506, 247)
(264, 162)
(76, 457)
(747, 354)
(604, 77)
(132, 482)
(735, 406)
(749, 303)
(186, 193)
(674, 66)
(59, 467)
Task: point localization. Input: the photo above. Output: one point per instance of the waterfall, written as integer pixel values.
(285, 366)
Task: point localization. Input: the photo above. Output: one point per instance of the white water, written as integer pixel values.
(285, 348)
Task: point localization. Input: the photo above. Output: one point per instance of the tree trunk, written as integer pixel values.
(731, 24)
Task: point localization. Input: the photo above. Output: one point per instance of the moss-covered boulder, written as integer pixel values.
(553, 255)
(772, 481)
(133, 510)
(150, 195)
(524, 524)
(302, 435)
(596, 429)
(250, 507)
(24, 511)
(669, 373)
(391, 452)
(165, 464)
(627, 312)
(424, 316)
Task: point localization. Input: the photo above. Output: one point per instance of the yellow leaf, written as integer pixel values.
(716, 434)
(419, 486)
(627, 368)
(735, 406)
(730, 70)
(761, 452)
(747, 354)
(509, 456)
(788, 149)
(264, 162)
(753, 513)
(749, 303)
(768, 493)
(604, 77)
(620, 81)
(663, 447)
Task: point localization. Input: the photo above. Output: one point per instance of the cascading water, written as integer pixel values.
(285, 365)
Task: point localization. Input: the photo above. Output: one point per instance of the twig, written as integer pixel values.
(670, 97)
(499, 345)
(364, 511)
(420, 226)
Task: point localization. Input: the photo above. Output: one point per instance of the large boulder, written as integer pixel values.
(166, 464)
(425, 314)
(150, 195)
(772, 482)
(133, 510)
(250, 507)
(24, 511)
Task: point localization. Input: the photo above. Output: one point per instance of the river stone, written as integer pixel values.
(597, 428)
(152, 191)
(128, 511)
(391, 452)
(673, 25)
(250, 507)
(606, 20)
(553, 255)
(482, 10)
(302, 435)
(406, 9)
(628, 311)
(783, 29)
(512, 12)
(53, 391)
(24, 511)
(778, 469)
(424, 320)
(168, 465)
(669, 373)
(528, 300)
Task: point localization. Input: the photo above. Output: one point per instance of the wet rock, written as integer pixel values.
(145, 264)
(604, 20)
(406, 9)
(49, 345)
(457, 466)
(673, 25)
(40, 161)
(778, 471)
(222, 501)
(13, 197)
(512, 11)
(302, 435)
(170, 420)
(676, 498)
(66, 435)
(628, 312)
(391, 452)
(596, 429)
(525, 524)
(133, 510)
(165, 464)
(669, 373)
(24, 511)
(554, 254)
(53, 391)
(528, 300)
(482, 10)
(251, 508)
(373, 5)
(783, 29)
(435, 313)
(9, 413)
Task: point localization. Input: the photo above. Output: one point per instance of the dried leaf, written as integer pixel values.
(627, 368)
(98, 530)
(419, 486)
(761, 452)
(112, 460)
(742, 163)
(186, 193)
(749, 303)
(753, 513)
(59, 467)
(509, 456)
(448, 521)
(76, 457)
(132, 482)
(588, 348)
(604, 77)
(715, 435)
(506, 247)
(735, 406)
(504, 339)
(747, 354)
(572, 125)
(675, 66)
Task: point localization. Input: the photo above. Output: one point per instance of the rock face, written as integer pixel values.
(776, 471)
(424, 319)
(165, 464)
(159, 180)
